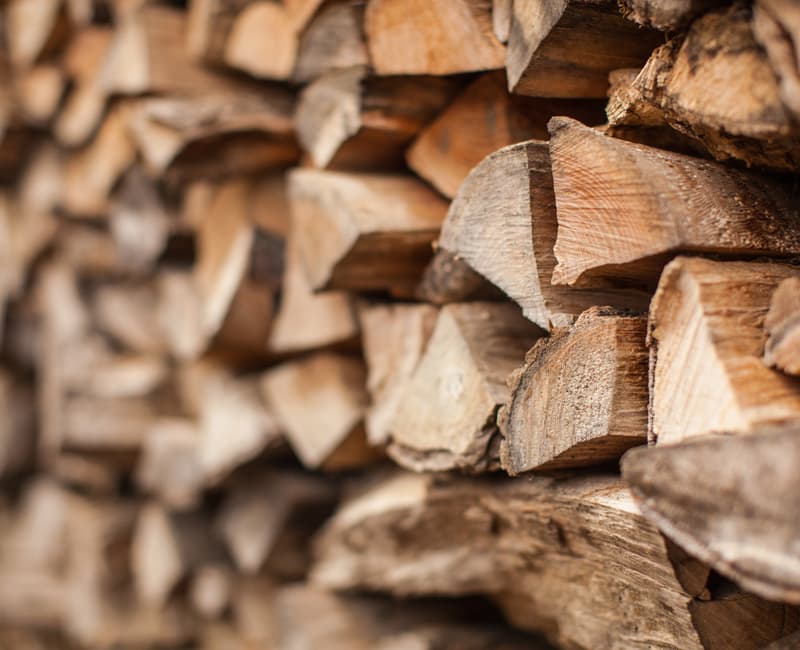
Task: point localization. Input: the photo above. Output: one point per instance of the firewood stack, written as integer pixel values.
(399, 324)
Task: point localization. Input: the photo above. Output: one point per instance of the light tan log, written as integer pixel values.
(776, 26)
(567, 48)
(581, 397)
(125, 312)
(210, 590)
(730, 501)
(559, 556)
(90, 173)
(363, 231)
(38, 92)
(666, 15)
(169, 466)
(331, 434)
(347, 119)
(86, 102)
(333, 40)
(716, 85)
(502, 223)
(446, 417)
(258, 511)
(431, 37)
(215, 135)
(782, 325)
(501, 19)
(34, 28)
(308, 320)
(706, 340)
(481, 120)
(394, 339)
(616, 223)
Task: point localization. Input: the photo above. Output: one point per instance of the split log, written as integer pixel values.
(581, 397)
(730, 501)
(503, 224)
(394, 339)
(689, 84)
(567, 49)
(533, 545)
(363, 231)
(256, 513)
(776, 26)
(215, 135)
(706, 339)
(333, 40)
(125, 313)
(501, 19)
(448, 278)
(666, 15)
(349, 120)
(33, 29)
(165, 548)
(17, 425)
(437, 37)
(308, 320)
(38, 92)
(481, 120)
(210, 591)
(330, 435)
(91, 173)
(446, 417)
(782, 325)
(169, 466)
(616, 222)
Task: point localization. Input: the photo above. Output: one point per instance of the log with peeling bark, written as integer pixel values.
(666, 15)
(688, 83)
(618, 222)
(567, 48)
(706, 340)
(730, 501)
(446, 417)
(502, 223)
(364, 231)
(481, 120)
(331, 435)
(349, 119)
(431, 37)
(581, 397)
(782, 325)
(557, 555)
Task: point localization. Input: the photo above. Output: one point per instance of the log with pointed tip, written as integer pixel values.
(446, 416)
(581, 397)
(730, 501)
(617, 223)
(567, 48)
(364, 231)
(431, 37)
(716, 85)
(706, 339)
(502, 223)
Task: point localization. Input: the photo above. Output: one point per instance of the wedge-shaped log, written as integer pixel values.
(776, 26)
(567, 48)
(581, 397)
(558, 555)
(502, 223)
(624, 209)
(730, 501)
(431, 37)
(394, 338)
(446, 417)
(329, 434)
(666, 15)
(333, 40)
(363, 231)
(706, 339)
(448, 278)
(215, 135)
(717, 86)
(782, 325)
(308, 320)
(481, 120)
(347, 119)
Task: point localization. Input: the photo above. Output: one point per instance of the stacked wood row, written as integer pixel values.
(399, 324)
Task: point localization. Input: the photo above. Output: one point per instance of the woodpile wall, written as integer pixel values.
(431, 324)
